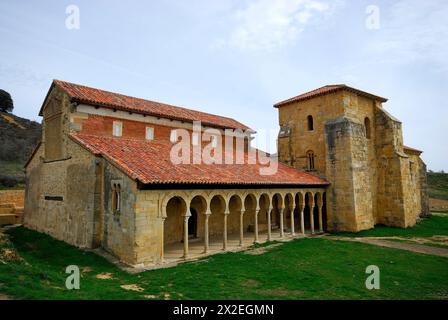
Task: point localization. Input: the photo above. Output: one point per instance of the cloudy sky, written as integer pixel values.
(237, 58)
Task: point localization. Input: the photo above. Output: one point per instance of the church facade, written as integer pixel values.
(107, 174)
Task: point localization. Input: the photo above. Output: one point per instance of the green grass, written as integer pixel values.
(425, 228)
(310, 268)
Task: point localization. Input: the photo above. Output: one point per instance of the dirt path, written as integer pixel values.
(419, 248)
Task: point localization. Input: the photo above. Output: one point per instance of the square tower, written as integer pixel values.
(344, 135)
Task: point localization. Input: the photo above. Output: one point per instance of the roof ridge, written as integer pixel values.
(326, 90)
(144, 99)
(189, 113)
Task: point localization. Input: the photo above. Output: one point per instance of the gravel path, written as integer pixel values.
(419, 248)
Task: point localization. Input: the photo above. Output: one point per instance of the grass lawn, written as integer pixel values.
(426, 228)
(310, 268)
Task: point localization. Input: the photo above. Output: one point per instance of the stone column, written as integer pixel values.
(293, 231)
(321, 225)
(269, 224)
(186, 237)
(224, 234)
(206, 232)
(241, 228)
(256, 226)
(302, 220)
(162, 244)
(312, 218)
(282, 228)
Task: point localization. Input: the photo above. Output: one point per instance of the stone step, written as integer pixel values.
(9, 219)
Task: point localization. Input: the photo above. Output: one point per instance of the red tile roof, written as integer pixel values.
(326, 90)
(149, 162)
(106, 99)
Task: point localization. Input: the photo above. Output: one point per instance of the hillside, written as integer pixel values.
(438, 185)
(18, 138)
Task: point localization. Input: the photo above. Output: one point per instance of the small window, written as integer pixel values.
(195, 139)
(367, 126)
(310, 159)
(116, 198)
(310, 123)
(149, 133)
(117, 128)
(173, 136)
(214, 140)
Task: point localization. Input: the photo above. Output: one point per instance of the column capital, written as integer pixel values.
(227, 212)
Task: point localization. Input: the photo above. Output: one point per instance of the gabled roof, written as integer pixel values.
(326, 90)
(149, 163)
(96, 97)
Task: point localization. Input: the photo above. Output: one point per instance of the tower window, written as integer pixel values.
(310, 123)
(367, 126)
(310, 159)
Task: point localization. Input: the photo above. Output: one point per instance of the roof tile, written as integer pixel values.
(87, 95)
(326, 90)
(149, 162)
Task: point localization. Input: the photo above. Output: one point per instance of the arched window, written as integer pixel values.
(310, 123)
(367, 125)
(310, 160)
(116, 197)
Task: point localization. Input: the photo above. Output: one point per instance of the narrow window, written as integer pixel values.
(310, 123)
(117, 128)
(367, 125)
(149, 133)
(116, 198)
(310, 159)
(195, 138)
(173, 136)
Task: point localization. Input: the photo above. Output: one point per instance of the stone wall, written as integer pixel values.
(15, 197)
(120, 226)
(59, 198)
(11, 206)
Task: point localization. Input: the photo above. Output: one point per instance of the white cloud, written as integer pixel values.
(414, 31)
(270, 24)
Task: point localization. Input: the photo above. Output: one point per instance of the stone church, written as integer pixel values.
(103, 175)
